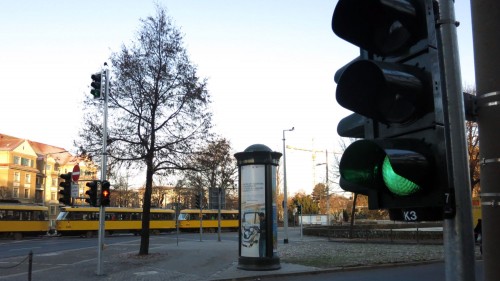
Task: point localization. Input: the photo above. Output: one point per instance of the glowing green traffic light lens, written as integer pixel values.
(359, 176)
(396, 183)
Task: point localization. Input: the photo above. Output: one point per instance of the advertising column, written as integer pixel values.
(258, 212)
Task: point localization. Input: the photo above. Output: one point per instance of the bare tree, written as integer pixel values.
(472, 134)
(158, 108)
(216, 167)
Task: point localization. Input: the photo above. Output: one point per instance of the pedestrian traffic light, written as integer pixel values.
(96, 85)
(105, 193)
(92, 193)
(65, 192)
(394, 90)
(197, 201)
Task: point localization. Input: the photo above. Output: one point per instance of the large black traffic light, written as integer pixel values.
(105, 193)
(92, 193)
(96, 85)
(394, 89)
(65, 192)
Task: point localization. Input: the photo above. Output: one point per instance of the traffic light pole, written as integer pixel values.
(457, 231)
(104, 162)
(485, 24)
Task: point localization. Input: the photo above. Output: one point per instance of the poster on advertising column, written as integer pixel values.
(275, 211)
(253, 196)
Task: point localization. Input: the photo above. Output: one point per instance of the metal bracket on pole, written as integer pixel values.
(484, 161)
(487, 100)
(493, 202)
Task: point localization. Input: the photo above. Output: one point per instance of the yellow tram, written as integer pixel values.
(189, 220)
(18, 220)
(85, 220)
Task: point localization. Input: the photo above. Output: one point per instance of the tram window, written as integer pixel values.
(14, 215)
(62, 216)
(136, 216)
(39, 215)
(77, 216)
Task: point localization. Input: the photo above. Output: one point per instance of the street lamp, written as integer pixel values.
(327, 189)
(285, 207)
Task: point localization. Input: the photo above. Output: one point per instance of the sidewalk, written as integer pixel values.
(211, 260)
(189, 260)
(207, 260)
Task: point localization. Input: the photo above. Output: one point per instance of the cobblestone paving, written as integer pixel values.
(325, 254)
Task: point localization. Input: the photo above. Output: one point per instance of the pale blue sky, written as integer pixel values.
(269, 64)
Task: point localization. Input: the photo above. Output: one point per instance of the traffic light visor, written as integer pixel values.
(360, 167)
(383, 27)
(367, 165)
(388, 93)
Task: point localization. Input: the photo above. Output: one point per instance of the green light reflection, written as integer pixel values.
(396, 183)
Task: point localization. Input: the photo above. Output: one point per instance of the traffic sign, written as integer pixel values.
(74, 190)
(75, 175)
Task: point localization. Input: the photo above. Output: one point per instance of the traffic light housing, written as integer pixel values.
(92, 193)
(299, 209)
(197, 201)
(65, 192)
(105, 193)
(96, 85)
(394, 90)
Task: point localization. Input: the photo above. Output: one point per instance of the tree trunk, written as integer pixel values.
(146, 207)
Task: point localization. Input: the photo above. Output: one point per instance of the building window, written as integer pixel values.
(27, 179)
(52, 210)
(26, 193)
(53, 195)
(17, 160)
(26, 162)
(54, 182)
(17, 177)
(15, 192)
(49, 167)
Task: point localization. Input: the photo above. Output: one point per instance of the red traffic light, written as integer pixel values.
(105, 193)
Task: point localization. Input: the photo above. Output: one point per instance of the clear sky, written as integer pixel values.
(269, 64)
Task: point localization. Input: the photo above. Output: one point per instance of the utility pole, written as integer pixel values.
(285, 191)
(457, 229)
(485, 25)
(104, 162)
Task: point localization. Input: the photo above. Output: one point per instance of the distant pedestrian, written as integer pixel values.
(262, 236)
(478, 235)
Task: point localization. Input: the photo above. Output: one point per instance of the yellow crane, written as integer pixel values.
(313, 153)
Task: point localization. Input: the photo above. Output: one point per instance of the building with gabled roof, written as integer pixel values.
(30, 170)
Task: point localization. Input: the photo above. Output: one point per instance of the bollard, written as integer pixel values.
(30, 265)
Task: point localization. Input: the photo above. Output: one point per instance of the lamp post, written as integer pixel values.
(285, 207)
(327, 189)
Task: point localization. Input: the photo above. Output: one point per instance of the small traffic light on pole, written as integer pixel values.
(92, 193)
(105, 193)
(96, 85)
(394, 90)
(65, 192)
(197, 201)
